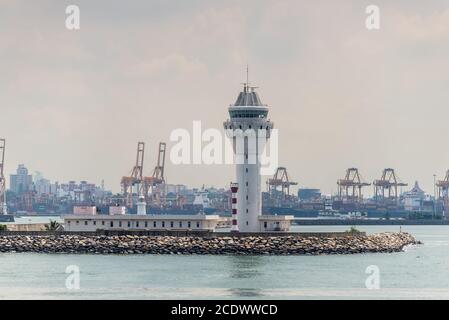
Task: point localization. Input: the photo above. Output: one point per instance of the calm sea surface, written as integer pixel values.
(419, 272)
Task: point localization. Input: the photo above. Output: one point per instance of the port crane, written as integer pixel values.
(443, 191)
(3, 207)
(135, 179)
(387, 187)
(443, 187)
(155, 185)
(280, 179)
(350, 187)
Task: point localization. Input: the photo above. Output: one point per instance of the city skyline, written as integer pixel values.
(74, 103)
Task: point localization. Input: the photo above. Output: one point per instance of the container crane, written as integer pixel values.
(280, 180)
(350, 187)
(135, 179)
(387, 187)
(156, 183)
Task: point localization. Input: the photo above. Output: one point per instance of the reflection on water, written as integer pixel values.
(245, 267)
(245, 292)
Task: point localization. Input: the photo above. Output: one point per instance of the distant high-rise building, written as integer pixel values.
(21, 181)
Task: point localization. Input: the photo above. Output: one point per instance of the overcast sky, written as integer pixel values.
(73, 104)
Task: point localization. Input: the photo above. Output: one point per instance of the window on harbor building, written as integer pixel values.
(85, 223)
(180, 224)
(119, 223)
(154, 224)
(102, 223)
(129, 224)
(163, 224)
(95, 223)
(171, 224)
(197, 224)
(189, 225)
(146, 224)
(112, 224)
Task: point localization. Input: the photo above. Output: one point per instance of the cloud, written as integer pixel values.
(73, 104)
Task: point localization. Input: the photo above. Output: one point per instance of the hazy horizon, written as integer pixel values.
(74, 104)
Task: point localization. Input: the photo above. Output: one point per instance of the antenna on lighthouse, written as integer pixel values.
(246, 84)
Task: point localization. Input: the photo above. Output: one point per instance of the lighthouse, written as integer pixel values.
(246, 126)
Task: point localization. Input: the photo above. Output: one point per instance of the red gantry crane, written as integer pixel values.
(387, 187)
(443, 187)
(135, 179)
(443, 190)
(350, 187)
(156, 183)
(280, 180)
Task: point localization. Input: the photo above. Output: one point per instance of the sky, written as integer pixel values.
(74, 103)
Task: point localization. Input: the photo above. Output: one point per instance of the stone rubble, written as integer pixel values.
(215, 245)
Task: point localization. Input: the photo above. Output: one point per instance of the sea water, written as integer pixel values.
(420, 272)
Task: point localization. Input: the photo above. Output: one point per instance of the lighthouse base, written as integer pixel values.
(267, 223)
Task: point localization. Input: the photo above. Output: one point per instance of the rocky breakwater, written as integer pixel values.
(217, 245)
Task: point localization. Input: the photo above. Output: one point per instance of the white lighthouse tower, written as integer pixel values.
(248, 116)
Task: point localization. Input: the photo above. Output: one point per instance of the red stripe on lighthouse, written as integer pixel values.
(234, 190)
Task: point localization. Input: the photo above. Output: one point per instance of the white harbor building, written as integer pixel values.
(160, 222)
(86, 219)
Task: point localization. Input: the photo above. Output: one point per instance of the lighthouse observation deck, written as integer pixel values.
(248, 112)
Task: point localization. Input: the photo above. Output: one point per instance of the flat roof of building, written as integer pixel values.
(276, 218)
(144, 217)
